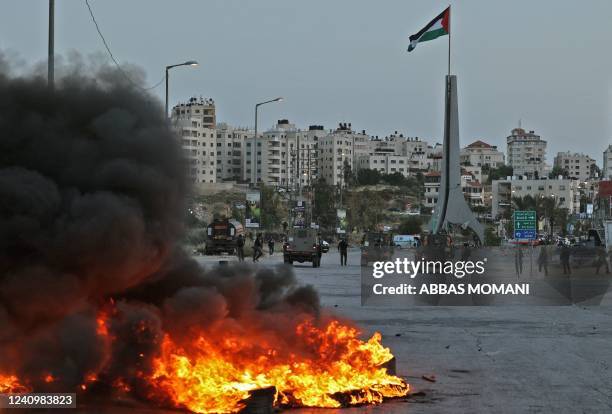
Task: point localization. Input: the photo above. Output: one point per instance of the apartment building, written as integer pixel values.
(607, 163)
(481, 154)
(286, 155)
(191, 121)
(564, 191)
(230, 147)
(575, 165)
(526, 154)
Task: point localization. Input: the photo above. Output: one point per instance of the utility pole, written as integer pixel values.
(51, 57)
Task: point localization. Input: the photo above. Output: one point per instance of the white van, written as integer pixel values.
(405, 241)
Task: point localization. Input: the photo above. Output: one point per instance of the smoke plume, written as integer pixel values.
(92, 196)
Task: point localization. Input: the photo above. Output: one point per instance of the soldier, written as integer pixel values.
(342, 248)
(564, 256)
(543, 260)
(271, 245)
(240, 248)
(257, 248)
(518, 260)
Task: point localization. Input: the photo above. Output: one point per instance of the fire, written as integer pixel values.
(215, 376)
(9, 384)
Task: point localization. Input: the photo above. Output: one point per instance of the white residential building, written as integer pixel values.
(385, 163)
(335, 154)
(480, 153)
(607, 163)
(432, 188)
(415, 152)
(230, 147)
(576, 165)
(471, 187)
(526, 154)
(287, 156)
(565, 191)
(200, 108)
(198, 140)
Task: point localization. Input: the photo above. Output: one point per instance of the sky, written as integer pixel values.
(546, 63)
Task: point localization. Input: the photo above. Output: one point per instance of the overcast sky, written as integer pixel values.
(548, 63)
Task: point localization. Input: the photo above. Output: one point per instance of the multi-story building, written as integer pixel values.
(564, 191)
(385, 162)
(201, 108)
(198, 140)
(526, 154)
(286, 156)
(607, 163)
(414, 149)
(432, 188)
(575, 165)
(335, 154)
(230, 148)
(471, 187)
(480, 153)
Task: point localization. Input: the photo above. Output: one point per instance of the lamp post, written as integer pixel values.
(254, 150)
(51, 51)
(188, 63)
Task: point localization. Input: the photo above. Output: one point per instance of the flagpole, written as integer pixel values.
(449, 39)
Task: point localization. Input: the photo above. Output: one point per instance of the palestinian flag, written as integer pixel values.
(439, 26)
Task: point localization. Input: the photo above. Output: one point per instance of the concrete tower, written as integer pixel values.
(451, 207)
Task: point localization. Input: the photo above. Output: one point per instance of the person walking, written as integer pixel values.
(271, 245)
(564, 256)
(343, 249)
(601, 260)
(240, 248)
(543, 260)
(518, 260)
(257, 248)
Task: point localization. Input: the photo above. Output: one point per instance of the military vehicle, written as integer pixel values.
(376, 247)
(302, 245)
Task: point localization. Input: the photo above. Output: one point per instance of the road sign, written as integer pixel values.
(525, 225)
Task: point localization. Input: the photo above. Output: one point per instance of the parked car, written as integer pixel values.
(324, 246)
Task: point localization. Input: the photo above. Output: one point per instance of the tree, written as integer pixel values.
(347, 173)
(595, 171)
(272, 211)
(396, 179)
(500, 172)
(364, 209)
(324, 211)
(411, 225)
(367, 176)
(491, 238)
(557, 171)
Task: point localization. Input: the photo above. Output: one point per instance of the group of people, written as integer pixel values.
(258, 248)
(601, 261)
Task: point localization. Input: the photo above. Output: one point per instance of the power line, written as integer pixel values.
(110, 53)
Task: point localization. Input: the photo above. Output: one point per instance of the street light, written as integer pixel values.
(254, 150)
(188, 63)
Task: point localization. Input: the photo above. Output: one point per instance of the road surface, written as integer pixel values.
(502, 359)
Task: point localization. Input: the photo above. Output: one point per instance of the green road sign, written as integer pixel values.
(525, 224)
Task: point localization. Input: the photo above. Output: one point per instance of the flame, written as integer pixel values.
(215, 376)
(9, 384)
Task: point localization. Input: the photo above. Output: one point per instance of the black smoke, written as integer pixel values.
(92, 196)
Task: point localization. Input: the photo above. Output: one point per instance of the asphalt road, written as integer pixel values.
(502, 359)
